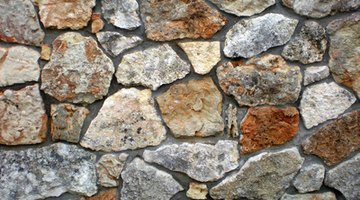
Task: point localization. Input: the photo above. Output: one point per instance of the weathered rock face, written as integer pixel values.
(243, 7)
(345, 52)
(324, 101)
(127, 120)
(78, 70)
(202, 162)
(266, 80)
(345, 131)
(264, 127)
(310, 178)
(197, 191)
(265, 176)
(110, 194)
(176, 19)
(62, 14)
(309, 46)
(313, 196)
(18, 69)
(250, 37)
(152, 67)
(232, 127)
(313, 74)
(109, 168)
(19, 23)
(192, 108)
(142, 181)
(22, 116)
(47, 172)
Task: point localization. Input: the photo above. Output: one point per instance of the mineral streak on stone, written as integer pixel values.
(243, 7)
(250, 37)
(78, 71)
(336, 140)
(345, 52)
(18, 64)
(19, 23)
(192, 108)
(143, 181)
(313, 74)
(324, 101)
(313, 196)
(109, 168)
(45, 52)
(22, 117)
(309, 46)
(177, 19)
(96, 23)
(121, 13)
(265, 80)
(197, 191)
(264, 127)
(127, 120)
(110, 194)
(62, 14)
(310, 178)
(202, 162)
(152, 67)
(47, 172)
(232, 127)
(265, 176)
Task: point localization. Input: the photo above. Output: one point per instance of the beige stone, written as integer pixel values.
(197, 191)
(109, 168)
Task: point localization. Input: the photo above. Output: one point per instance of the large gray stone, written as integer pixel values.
(243, 7)
(310, 178)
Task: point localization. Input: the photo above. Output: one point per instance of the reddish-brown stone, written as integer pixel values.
(96, 23)
(110, 194)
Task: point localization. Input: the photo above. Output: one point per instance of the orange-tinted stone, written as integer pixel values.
(96, 23)
(110, 194)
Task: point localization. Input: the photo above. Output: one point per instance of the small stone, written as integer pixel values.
(152, 67)
(259, 81)
(197, 191)
(309, 46)
(127, 120)
(177, 19)
(23, 119)
(192, 108)
(142, 181)
(96, 23)
(67, 121)
(232, 127)
(78, 71)
(16, 69)
(110, 194)
(336, 140)
(314, 74)
(109, 168)
(121, 13)
(202, 162)
(62, 14)
(313, 196)
(49, 171)
(250, 37)
(265, 176)
(324, 101)
(115, 43)
(45, 52)
(243, 7)
(264, 127)
(310, 178)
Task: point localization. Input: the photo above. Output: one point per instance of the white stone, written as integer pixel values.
(313, 74)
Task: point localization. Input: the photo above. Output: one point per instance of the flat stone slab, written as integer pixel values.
(243, 7)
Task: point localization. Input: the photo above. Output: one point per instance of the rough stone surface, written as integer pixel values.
(109, 168)
(110, 194)
(45, 52)
(152, 67)
(177, 19)
(265, 80)
(243, 7)
(96, 23)
(232, 127)
(47, 172)
(309, 46)
(314, 74)
(345, 131)
(142, 181)
(192, 108)
(127, 120)
(265, 176)
(264, 127)
(313, 196)
(121, 13)
(250, 37)
(78, 71)
(310, 178)
(22, 117)
(18, 69)
(324, 101)
(197, 191)
(62, 14)
(202, 162)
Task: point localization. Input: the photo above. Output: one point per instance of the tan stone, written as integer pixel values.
(45, 52)
(197, 191)
(109, 168)
(110, 194)
(97, 24)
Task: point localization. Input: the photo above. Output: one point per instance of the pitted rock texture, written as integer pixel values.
(197, 191)
(314, 74)
(250, 37)
(143, 181)
(312, 196)
(243, 7)
(108, 169)
(309, 46)
(78, 71)
(47, 172)
(310, 178)
(336, 140)
(324, 101)
(177, 19)
(265, 176)
(22, 116)
(19, 23)
(127, 120)
(232, 127)
(192, 108)
(202, 162)
(259, 81)
(110, 194)
(16, 69)
(152, 67)
(264, 127)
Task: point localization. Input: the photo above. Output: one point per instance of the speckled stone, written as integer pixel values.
(243, 7)
(312, 196)
(310, 178)
(314, 74)
(108, 169)
(232, 127)
(197, 191)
